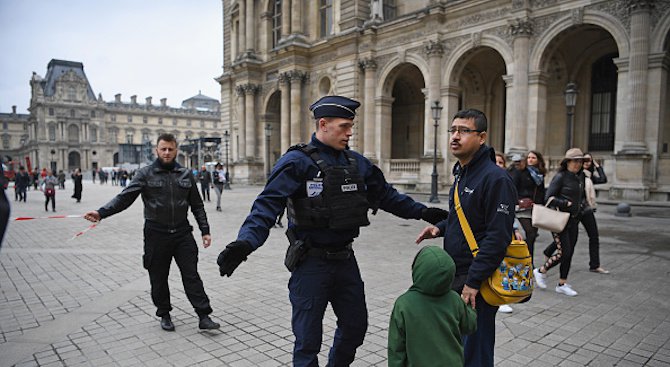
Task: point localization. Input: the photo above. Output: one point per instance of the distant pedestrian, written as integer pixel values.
(218, 180)
(61, 179)
(4, 204)
(205, 179)
(94, 172)
(78, 187)
(21, 183)
(36, 178)
(48, 187)
(430, 319)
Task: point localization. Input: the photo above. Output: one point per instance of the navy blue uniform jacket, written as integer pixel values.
(291, 174)
(488, 197)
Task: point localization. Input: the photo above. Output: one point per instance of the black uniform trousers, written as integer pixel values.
(160, 247)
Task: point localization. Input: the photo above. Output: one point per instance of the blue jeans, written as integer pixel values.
(478, 348)
(313, 284)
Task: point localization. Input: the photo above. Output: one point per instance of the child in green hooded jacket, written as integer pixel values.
(428, 320)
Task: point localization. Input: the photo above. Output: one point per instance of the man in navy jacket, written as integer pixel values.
(487, 196)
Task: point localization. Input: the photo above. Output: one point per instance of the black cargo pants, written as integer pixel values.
(160, 246)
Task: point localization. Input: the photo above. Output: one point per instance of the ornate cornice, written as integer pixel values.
(297, 76)
(521, 27)
(284, 78)
(369, 63)
(640, 5)
(251, 89)
(434, 48)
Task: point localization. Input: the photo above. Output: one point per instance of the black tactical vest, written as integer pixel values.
(342, 202)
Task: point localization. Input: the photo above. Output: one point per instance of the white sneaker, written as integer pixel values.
(566, 289)
(505, 309)
(539, 279)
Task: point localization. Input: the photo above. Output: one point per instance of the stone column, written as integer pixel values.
(640, 12)
(522, 30)
(434, 50)
(251, 28)
(296, 77)
(285, 18)
(537, 107)
(369, 67)
(509, 107)
(285, 117)
(241, 123)
(296, 17)
(250, 122)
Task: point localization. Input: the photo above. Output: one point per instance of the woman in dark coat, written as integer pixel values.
(76, 177)
(568, 193)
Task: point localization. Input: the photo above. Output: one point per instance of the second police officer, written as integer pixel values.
(328, 190)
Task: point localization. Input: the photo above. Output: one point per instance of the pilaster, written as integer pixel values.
(369, 67)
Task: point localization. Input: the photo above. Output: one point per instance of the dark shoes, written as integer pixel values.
(218, 208)
(207, 324)
(166, 323)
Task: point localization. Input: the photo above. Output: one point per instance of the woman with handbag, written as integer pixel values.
(567, 191)
(528, 176)
(594, 175)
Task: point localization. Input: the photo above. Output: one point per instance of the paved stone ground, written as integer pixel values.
(85, 302)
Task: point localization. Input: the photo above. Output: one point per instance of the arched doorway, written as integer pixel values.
(407, 113)
(479, 76)
(584, 55)
(73, 161)
(271, 131)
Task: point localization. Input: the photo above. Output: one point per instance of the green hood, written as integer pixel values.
(433, 271)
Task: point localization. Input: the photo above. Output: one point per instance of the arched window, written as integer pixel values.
(603, 103)
(276, 23)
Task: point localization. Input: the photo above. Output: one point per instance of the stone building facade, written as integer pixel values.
(69, 127)
(512, 59)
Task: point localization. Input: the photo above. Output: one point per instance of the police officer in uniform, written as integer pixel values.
(168, 190)
(328, 190)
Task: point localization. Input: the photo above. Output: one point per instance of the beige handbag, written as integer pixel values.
(552, 220)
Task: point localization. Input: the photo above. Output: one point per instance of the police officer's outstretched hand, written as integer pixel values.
(232, 256)
(434, 215)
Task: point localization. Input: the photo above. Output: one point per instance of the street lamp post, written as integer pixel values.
(436, 110)
(268, 135)
(226, 141)
(570, 102)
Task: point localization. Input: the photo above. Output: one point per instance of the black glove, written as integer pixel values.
(434, 215)
(232, 256)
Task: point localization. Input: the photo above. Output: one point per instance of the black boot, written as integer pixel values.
(166, 323)
(207, 324)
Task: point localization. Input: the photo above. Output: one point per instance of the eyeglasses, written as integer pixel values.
(462, 130)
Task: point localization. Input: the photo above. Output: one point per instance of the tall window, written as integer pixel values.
(326, 15)
(52, 132)
(5, 141)
(113, 136)
(389, 9)
(603, 103)
(94, 134)
(129, 138)
(5, 125)
(51, 111)
(72, 113)
(73, 134)
(71, 94)
(276, 23)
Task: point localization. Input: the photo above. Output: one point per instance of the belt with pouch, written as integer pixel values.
(339, 253)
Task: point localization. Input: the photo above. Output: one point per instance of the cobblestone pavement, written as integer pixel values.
(86, 302)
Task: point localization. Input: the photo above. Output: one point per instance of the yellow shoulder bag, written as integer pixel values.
(512, 281)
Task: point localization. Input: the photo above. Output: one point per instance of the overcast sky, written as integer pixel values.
(160, 48)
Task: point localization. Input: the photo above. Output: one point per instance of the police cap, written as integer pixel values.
(335, 106)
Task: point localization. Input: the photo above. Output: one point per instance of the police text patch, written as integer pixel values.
(350, 187)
